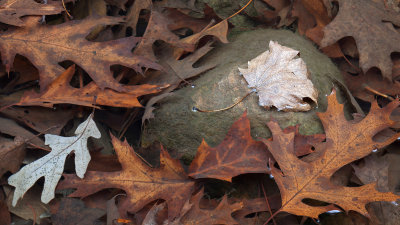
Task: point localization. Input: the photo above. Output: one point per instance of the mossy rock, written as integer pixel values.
(180, 129)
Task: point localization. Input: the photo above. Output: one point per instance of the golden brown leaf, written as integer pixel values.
(46, 46)
(309, 177)
(142, 183)
(60, 92)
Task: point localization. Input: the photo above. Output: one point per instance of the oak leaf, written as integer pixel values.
(239, 154)
(309, 177)
(142, 183)
(12, 10)
(12, 153)
(280, 80)
(375, 35)
(46, 46)
(60, 92)
(222, 214)
(73, 211)
(51, 165)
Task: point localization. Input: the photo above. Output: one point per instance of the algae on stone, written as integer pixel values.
(180, 129)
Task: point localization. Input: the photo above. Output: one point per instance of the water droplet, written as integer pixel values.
(334, 211)
(375, 150)
(193, 86)
(271, 176)
(54, 108)
(395, 203)
(194, 109)
(317, 221)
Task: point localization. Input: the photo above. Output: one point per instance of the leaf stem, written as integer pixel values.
(223, 109)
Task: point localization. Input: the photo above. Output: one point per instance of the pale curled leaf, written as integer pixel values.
(280, 79)
(51, 165)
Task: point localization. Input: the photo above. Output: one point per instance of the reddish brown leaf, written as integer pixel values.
(367, 22)
(373, 79)
(177, 71)
(5, 217)
(73, 211)
(60, 91)
(318, 10)
(141, 183)
(10, 127)
(157, 29)
(310, 177)
(12, 10)
(220, 215)
(46, 46)
(12, 153)
(43, 120)
(237, 154)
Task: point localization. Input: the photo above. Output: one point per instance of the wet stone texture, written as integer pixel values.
(181, 130)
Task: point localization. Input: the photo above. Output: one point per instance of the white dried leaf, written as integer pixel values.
(280, 79)
(51, 166)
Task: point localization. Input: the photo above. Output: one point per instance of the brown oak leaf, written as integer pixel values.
(60, 91)
(239, 153)
(46, 46)
(12, 10)
(310, 176)
(142, 183)
(370, 23)
(12, 153)
(73, 211)
(222, 214)
(357, 84)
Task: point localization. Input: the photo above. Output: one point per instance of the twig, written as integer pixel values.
(223, 109)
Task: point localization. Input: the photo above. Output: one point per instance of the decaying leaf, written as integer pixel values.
(51, 165)
(142, 183)
(370, 23)
(46, 46)
(12, 10)
(280, 80)
(12, 153)
(73, 211)
(237, 154)
(222, 214)
(310, 176)
(61, 92)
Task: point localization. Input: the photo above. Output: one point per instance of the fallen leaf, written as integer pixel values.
(148, 111)
(375, 35)
(51, 165)
(12, 153)
(310, 176)
(372, 79)
(280, 80)
(318, 10)
(5, 217)
(141, 183)
(12, 10)
(157, 29)
(112, 211)
(177, 71)
(133, 13)
(61, 92)
(42, 120)
(11, 128)
(151, 216)
(30, 207)
(222, 214)
(237, 154)
(45, 46)
(374, 170)
(73, 211)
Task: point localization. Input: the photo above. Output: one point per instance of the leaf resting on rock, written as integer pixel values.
(51, 165)
(309, 177)
(280, 80)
